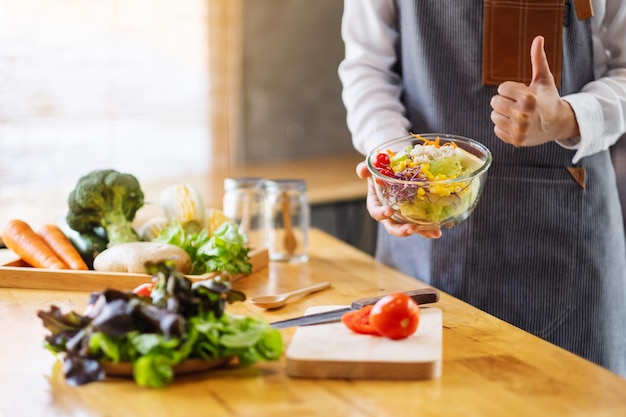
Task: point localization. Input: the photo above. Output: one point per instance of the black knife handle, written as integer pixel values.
(421, 296)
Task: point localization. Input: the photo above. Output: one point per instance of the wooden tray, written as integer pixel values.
(14, 274)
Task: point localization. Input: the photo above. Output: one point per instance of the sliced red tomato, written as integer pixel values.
(144, 290)
(395, 316)
(358, 321)
(382, 160)
(386, 171)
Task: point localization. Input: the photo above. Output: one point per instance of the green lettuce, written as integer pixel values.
(222, 251)
(179, 321)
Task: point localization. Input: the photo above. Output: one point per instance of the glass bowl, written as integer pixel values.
(430, 190)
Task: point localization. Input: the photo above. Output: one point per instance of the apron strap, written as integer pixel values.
(584, 9)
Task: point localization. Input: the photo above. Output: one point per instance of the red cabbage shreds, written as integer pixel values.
(410, 174)
(398, 193)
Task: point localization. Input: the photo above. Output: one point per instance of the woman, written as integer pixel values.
(544, 249)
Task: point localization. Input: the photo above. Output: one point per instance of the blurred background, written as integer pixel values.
(162, 88)
(95, 84)
(168, 89)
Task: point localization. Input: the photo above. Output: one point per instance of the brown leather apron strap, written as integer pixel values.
(584, 9)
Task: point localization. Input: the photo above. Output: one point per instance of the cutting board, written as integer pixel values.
(332, 351)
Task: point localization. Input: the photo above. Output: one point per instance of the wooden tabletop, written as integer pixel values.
(489, 367)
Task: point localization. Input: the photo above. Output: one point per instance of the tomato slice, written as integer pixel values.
(395, 316)
(144, 290)
(386, 171)
(358, 321)
(382, 160)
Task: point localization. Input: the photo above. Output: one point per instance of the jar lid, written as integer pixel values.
(242, 182)
(285, 185)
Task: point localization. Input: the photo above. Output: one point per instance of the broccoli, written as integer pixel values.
(108, 199)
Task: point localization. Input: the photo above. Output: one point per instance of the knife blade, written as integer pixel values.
(421, 296)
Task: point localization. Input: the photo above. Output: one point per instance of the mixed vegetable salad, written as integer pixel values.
(432, 180)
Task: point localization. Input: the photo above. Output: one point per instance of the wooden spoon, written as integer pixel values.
(289, 239)
(279, 300)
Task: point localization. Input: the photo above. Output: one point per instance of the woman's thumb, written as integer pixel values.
(539, 62)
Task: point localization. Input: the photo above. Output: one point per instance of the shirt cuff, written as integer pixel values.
(590, 123)
(570, 143)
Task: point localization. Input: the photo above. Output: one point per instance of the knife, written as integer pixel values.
(421, 296)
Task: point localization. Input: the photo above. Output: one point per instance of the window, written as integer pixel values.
(89, 84)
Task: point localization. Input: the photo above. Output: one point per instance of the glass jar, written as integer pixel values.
(243, 204)
(287, 218)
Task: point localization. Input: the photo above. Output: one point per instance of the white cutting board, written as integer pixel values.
(333, 351)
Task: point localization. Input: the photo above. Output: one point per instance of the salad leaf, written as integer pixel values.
(245, 334)
(146, 343)
(101, 344)
(450, 166)
(223, 251)
(400, 156)
(80, 370)
(153, 371)
(60, 323)
(178, 321)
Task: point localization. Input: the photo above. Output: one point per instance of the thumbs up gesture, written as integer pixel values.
(529, 115)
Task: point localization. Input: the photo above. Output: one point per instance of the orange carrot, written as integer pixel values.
(62, 246)
(28, 245)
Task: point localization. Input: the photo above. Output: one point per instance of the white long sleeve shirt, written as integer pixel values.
(371, 89)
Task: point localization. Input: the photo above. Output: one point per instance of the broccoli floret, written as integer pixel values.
(109, 199)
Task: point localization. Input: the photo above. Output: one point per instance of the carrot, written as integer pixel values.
(28, 245)
(62, 246)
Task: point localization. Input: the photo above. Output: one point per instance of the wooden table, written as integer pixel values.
(489, 367)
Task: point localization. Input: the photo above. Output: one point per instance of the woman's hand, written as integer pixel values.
(383, 214)
(529, 115)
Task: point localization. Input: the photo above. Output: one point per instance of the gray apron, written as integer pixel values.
(539, 251)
